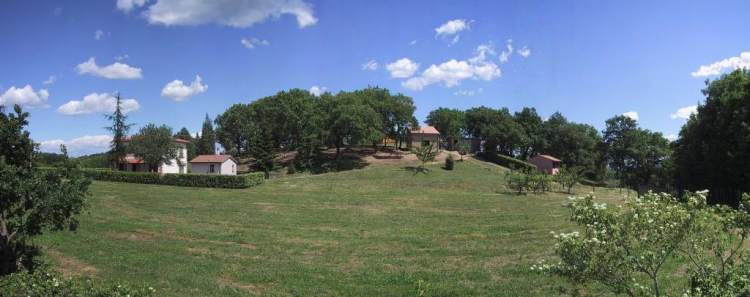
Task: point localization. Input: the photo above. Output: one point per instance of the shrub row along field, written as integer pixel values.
(183, 180)
(380, 231)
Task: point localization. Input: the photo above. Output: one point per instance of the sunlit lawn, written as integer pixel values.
(371, 232)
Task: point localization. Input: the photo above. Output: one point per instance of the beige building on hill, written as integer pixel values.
(546, 164)
(424, 136)
(214, 164)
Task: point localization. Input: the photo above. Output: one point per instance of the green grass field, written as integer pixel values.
(371, 232)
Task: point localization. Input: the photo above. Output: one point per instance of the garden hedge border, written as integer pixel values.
(505, 161)
(184, 180)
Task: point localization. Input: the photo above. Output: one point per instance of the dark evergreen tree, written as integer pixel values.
(119, 130)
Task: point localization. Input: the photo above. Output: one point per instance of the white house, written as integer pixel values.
(214, 164)
(178, 165)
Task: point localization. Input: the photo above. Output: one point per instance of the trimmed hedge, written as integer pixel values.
(183, 180)
(505, 161)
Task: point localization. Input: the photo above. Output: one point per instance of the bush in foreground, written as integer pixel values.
(625, 248)
(48, 284)
(449, 162)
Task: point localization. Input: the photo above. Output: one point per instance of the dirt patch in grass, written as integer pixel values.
(69, 266)
(144, 235)
(254, 289)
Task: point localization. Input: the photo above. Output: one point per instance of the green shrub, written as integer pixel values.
(48, 284)
(449, 162)
(184, 180)
(509, 162)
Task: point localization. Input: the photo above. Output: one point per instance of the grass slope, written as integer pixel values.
(370, 232)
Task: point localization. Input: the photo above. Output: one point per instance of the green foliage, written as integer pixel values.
(264, 151)
(534, 140)
(524, 181)
(463, 148)
(32, 201)
(625, 248)
(636, 155)
(449, 162)
(233, 129)
(192, 149)
(577, 145)
(349, 120)
(451, 123)
(206, 144)
(568, 177)
(119, 130)
(94, 161)
(509, 162)
(42, 283)
(496, 127)
(154, 145)
(425, 154)
(183, 180)
(713, 151)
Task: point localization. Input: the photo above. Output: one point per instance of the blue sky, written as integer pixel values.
(589, 60)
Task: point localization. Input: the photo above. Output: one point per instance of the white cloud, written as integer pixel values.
(128, 5)
(51, 80)
(114, 71)
(741, 61)
(413, 42)
(122, 57)
(25, 96)
(178, 91)
(631, 114)
(684, 112)
(317, 91)
(370, 65)
(671, 137)
(402, 68)
(452, 72)
(96, 102)
(98, 34)
(505, 55)
(234, 13)
(525, 52)
(452, 27)
(87, 144)
(468, 93)
(251, 43)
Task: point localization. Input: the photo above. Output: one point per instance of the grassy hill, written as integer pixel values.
(378, 231)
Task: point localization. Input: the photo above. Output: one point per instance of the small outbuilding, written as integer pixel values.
(214, 164)
(546, 164)
(424, 136)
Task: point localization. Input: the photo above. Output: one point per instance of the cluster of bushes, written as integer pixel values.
(528, 180)
(505, 161)
(48, 284)
(184, 180)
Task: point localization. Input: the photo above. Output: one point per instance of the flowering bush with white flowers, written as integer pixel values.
(42, 283)
(625, 247)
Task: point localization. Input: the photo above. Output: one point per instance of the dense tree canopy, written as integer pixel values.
(154, 145)
(713, 151)
(451, 123)
(119, 130)
(206, 144)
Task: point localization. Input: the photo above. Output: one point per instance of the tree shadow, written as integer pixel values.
(416, 169)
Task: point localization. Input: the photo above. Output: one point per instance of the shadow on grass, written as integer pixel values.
(417, 169)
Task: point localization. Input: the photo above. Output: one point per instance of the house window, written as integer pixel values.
(211, 168)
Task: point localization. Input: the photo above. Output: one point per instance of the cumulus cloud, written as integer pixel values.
(370, 65)
(251, 43)
(317, 91)
(87, 144)
(631, 114)
(51, 80)
(468, 93)
(450, 30)
(525, 52)
(728, 64)
(122, 57)
(671, 137)
(505, 55)
(25, 96)
(98, 34)
(413, 42)
(684, 112)
(402, 68)
(114, 71)
(128, 5)
(234, 13)
(97, 102)
(452, 72)
(178, 91)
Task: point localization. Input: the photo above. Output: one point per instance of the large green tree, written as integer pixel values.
(496, 127)
(233, 128)
(713, 150)
(451, 123)
(119, 130)
(206, 145)
(348, 120)
(154, 145)
(31, 201)
(577, 145)
(533, 141)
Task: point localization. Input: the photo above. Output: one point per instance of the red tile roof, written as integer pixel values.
(131, 159)
(212, 159)
(425, 130)
(548, 157)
